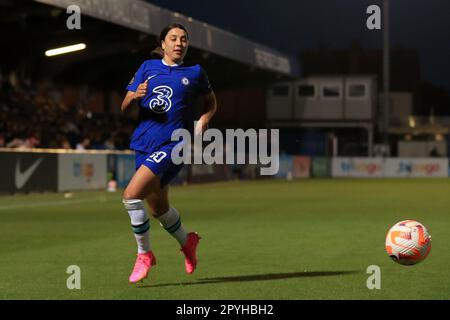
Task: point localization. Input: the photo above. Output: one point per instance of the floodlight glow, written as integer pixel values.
(412, 122)
(67, 49)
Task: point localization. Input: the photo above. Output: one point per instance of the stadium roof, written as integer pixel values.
(148, 18)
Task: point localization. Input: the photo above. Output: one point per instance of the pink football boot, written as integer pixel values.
(189, 250)
(142, 266)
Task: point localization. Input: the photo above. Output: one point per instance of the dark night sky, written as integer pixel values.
(295, 25)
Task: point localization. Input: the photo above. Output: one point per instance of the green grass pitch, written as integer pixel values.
(303, 239)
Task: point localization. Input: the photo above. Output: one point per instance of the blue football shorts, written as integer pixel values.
(159, 162)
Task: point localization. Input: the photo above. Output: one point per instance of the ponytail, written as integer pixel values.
(157, 53)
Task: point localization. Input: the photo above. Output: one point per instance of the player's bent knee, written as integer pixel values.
(159, 208)
(129, 195)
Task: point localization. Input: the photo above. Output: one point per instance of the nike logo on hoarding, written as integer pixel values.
(23, 177)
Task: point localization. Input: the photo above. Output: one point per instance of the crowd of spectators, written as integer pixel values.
(32, 117)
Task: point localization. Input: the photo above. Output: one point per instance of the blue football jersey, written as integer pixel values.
(168, 104)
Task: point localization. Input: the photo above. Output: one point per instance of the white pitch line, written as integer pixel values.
(50, 203)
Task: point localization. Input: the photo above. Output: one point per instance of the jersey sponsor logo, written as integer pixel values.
(162, 102)
(156, 156)
(21, 178)
(185, 81)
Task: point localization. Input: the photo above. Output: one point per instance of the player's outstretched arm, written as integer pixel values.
(134, 96)
(209, 109)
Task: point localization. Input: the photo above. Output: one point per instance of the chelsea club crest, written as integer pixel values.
(185, 81)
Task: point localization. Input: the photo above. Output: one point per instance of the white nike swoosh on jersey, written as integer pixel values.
(150, 77)
(22, 177)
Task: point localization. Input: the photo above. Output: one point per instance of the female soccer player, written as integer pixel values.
(165, 90)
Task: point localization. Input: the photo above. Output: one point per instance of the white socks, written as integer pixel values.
(140, 223)
(171, 221)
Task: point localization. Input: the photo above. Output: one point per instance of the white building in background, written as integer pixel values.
(325, 102)
(353, 102)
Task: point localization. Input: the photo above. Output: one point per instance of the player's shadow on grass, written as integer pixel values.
(256, 277)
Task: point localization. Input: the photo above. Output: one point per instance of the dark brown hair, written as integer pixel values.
(166, 30)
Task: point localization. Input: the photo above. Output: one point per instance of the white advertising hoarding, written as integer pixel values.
(357, 167)
(390, 167)
(417, 167)
(81, 171)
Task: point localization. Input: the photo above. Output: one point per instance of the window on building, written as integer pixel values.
(331, 91)
(356, 90)
(306, 91)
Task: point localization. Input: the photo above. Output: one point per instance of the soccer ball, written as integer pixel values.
(408, 242)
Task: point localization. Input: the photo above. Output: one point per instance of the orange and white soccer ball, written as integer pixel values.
(408, 242)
